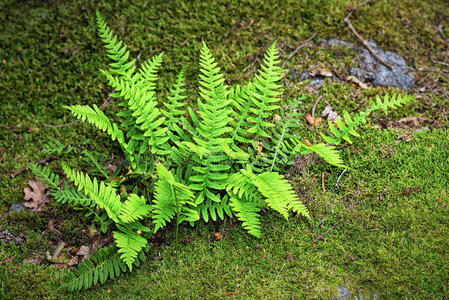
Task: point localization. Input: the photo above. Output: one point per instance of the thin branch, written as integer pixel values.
(364, 42)
(321, 236)
(297, 49)
(332, 199)
(278, 274)
(314, 106)
(46, 160)
(440, 63)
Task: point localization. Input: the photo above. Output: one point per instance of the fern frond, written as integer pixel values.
(212, 129)
(173, 111)
(96, 117)
(266, 93)
(214, 209)
(104, 264)
(241, 185)
(73, 197)
(343, 130)
(55, 147)
(104, 196)
(247, 212)
(328, 153)
(129, 244)
(278, 193)
(134, 208)
(50, 179)
(148, 116)
(171, 198)
(116, 50)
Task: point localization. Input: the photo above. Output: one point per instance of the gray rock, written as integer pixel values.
(16, 207)
(316, 83)
(371, 70)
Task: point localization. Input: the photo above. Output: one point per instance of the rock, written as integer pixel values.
(371, 70)
(16, 207)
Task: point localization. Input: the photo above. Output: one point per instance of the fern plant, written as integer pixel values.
(221, 159)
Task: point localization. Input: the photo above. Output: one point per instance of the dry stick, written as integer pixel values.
(297, 49)
(314, 106)
(321, 236)
(46, 160)
(278, 274)
(440, 62)
(332, 199)
(364, 42)
(102, 107)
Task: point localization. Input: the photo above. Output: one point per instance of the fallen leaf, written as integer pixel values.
(358, 82)
(308, 143)
(330, 113)
(310, 119)
(321, 72)
(318, 121)
(84, 251)
(288, 257)
(218, 236)
(73, 261)
(277, 118)
(36, 193)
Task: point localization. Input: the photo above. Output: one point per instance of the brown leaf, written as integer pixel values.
(309, 119)
(218, 236)
(84, 251)
(330, 113)
(36, 193)
(358, 82)
(321, 72)
(308, 143)
(288, 257)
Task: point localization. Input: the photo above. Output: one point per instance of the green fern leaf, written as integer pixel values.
(247, 212)
(134, 208)
(129, 244)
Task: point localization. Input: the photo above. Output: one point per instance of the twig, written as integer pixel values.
(381, 196)
(440, 62)
(336, 185)
(297, 49)
(332, 199)
(102, 107)
(440, 30)
(252, 64)
(321, 236)
(357, 107)
(46, 160)
(280, 270)
(322, 182)
(364, 42)
(314, 106)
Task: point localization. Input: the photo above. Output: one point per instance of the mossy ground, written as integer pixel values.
(397, 246)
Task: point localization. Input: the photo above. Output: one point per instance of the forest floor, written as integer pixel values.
(387, 228)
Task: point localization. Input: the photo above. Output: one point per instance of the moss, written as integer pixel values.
(51, 57)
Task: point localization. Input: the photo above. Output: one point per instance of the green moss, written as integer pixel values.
(51, 57)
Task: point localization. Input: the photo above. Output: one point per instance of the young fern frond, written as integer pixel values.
(248, 213)
(104, 196)
(214, 209)
(104, 264)
(116, 50)
(265, 95)
(347, 128)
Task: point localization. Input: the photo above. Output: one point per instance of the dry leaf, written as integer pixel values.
(321, 72)
(308, 143)
(358, 82)
(84, 251)
(218, 236)
(289, 257)
(35, 192)
(309, 119)
(277, 118)
(330, 113)
(318, 121)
